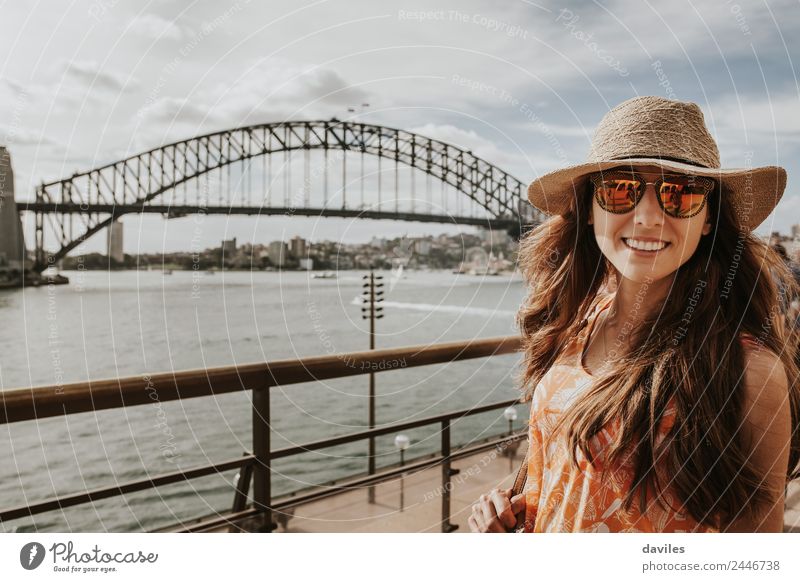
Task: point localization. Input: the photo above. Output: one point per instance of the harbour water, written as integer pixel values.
(128, 323)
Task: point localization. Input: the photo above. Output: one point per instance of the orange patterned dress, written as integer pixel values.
(561, 498)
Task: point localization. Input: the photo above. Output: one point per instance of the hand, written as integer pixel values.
(495, 512)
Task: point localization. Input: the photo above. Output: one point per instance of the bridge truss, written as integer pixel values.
(214, 173)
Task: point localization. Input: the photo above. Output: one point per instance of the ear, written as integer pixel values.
(707, 227)
(591, 218)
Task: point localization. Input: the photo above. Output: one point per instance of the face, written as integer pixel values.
(648, 228)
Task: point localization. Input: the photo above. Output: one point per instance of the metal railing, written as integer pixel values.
(50, 401)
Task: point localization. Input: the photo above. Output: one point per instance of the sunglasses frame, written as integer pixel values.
(708, 185)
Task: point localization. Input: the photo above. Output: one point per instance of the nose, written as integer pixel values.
(648, 212)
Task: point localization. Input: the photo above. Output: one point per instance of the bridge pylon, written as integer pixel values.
(14, 259)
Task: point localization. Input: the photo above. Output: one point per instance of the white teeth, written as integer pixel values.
(644, 245)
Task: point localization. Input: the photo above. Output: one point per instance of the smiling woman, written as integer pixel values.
(672, 403)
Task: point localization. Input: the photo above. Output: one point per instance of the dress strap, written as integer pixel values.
(748, 340)
(600, 303)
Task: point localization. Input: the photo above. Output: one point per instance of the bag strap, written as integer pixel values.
(519, 485)
(522, 476)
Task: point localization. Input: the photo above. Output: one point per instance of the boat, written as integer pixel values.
(483, 272)
(324, 275)
(168, 271)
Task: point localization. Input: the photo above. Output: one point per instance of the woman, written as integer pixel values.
(671, 403)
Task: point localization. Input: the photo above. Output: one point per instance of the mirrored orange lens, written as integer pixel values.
(617, 195)
(682, 197)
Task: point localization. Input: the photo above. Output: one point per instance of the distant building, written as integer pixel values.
(229, 247)
(297, 247)
(278, 253)
(307, 264)
(114, 242)
(495, 238)
(422, 246)
(796, 231)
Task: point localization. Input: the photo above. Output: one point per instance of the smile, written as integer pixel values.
(645, 245)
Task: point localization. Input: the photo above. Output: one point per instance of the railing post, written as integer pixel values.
(262, 472)
(447, 472)
(242, 488)
(371, 446)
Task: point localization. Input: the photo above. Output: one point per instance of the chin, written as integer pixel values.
(642, 276)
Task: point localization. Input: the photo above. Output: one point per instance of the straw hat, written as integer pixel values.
(669, 134)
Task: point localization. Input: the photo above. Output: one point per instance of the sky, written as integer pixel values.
(522, 84)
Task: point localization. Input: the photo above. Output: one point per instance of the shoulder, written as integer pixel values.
(766, 386)
(763, 367)
(766, 413)
(766, 429)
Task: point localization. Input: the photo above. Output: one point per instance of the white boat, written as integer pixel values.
(324, 275)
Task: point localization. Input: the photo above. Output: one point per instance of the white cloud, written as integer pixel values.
(780, 113)
(666, 30)
(154, 26)
(272, 90)
(11, 136)
(89, 74)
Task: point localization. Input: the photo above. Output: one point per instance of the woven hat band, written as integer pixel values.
(650, 127)
(640, 155)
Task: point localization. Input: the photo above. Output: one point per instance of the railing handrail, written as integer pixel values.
(61, 399)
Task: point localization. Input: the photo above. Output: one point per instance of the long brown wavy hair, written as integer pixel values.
(736, 284)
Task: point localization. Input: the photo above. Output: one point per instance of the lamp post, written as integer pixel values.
(401, 443)
(510, 415)
(371, 295)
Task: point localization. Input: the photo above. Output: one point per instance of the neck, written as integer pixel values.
(633, 302)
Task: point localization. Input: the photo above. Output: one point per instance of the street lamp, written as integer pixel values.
(401, 443)
(510, 415)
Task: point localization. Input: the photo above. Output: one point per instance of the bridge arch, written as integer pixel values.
(142, 178)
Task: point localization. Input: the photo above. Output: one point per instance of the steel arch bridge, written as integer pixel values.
(150, 181)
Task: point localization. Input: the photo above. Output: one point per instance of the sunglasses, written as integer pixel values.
(679, 195)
